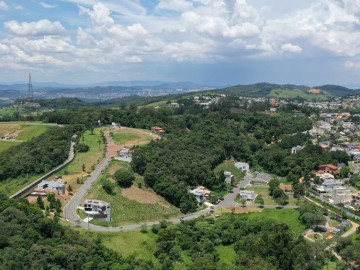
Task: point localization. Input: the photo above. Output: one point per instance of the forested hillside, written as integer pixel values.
(248, 244)
(39, 155)
(29, 240)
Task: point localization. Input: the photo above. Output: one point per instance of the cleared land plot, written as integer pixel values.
(228, 165)
(268, 200)
(128, 243)
(122, 137)
(236, 210)
(287, 216)
(294, 93)
(5, 145)
(23, 130)
(132, 205)
(130, 136)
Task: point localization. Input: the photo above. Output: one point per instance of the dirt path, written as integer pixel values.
(347, 233)
(352, 230)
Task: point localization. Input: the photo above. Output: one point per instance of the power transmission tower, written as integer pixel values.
(30, 90)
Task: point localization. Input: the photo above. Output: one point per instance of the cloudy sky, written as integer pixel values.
(217, 42)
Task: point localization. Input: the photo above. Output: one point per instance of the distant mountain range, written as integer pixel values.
(101, 91)
(120, 89)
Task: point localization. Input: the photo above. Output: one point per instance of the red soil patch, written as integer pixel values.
(140, 195)
(112, 148)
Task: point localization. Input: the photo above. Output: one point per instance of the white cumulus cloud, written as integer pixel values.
(176, 5)
(38, 28)
(47, 5)
(288, 47)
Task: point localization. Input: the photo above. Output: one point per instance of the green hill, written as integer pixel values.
(288, 91)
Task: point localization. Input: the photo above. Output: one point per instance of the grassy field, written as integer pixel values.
(294, 93)
(31, 131)
(24, 130)
(226, 254)
(155, 104)
(145, 206)
(131, 136)
(11, 186)
(120, 138)
(90, 159)
(229, 166)
(287, 216)
(137, 243)
(268, 200)
(4, 145)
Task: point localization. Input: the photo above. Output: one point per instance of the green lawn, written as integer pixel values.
(287, 216)
(120, 138)
(268, 200)
(227, 254)
(10, 186)
(125, 211)
(30, 131)
(128, 243)
(90, 159)
(229, 166)
(294, 93)
(5, 145)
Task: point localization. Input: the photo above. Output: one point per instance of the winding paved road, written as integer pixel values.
(70, 210)
(26, 189)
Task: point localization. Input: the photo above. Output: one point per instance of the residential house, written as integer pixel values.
(124, 155)
(97, 209)
(329, 168)
(261, 178)
(199, 194)
(57, 186)
(247, 195)
(174, 105)
(115, 125)
(228, 177)
(287, 188)
(355, 199)
(242, 166)
(158, 130)
(331, 184)
(296, 149)
(341, 195)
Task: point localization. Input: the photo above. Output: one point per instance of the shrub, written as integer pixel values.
(82, 148)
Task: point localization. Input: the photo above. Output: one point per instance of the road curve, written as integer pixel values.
(70, 210)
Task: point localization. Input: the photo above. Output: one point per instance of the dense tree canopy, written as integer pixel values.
(256, 244)
(28, 240)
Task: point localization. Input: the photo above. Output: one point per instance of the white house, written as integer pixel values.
(199, 194)
(247, 195)
(97, 209)
(59, 187)
(228, 177)
(124, 155)
(243, 166)
(296, 149)
(114, 124)
(341, 195)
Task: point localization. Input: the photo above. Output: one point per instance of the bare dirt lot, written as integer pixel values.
(140, 195)
(10, 130)
(237, 210)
